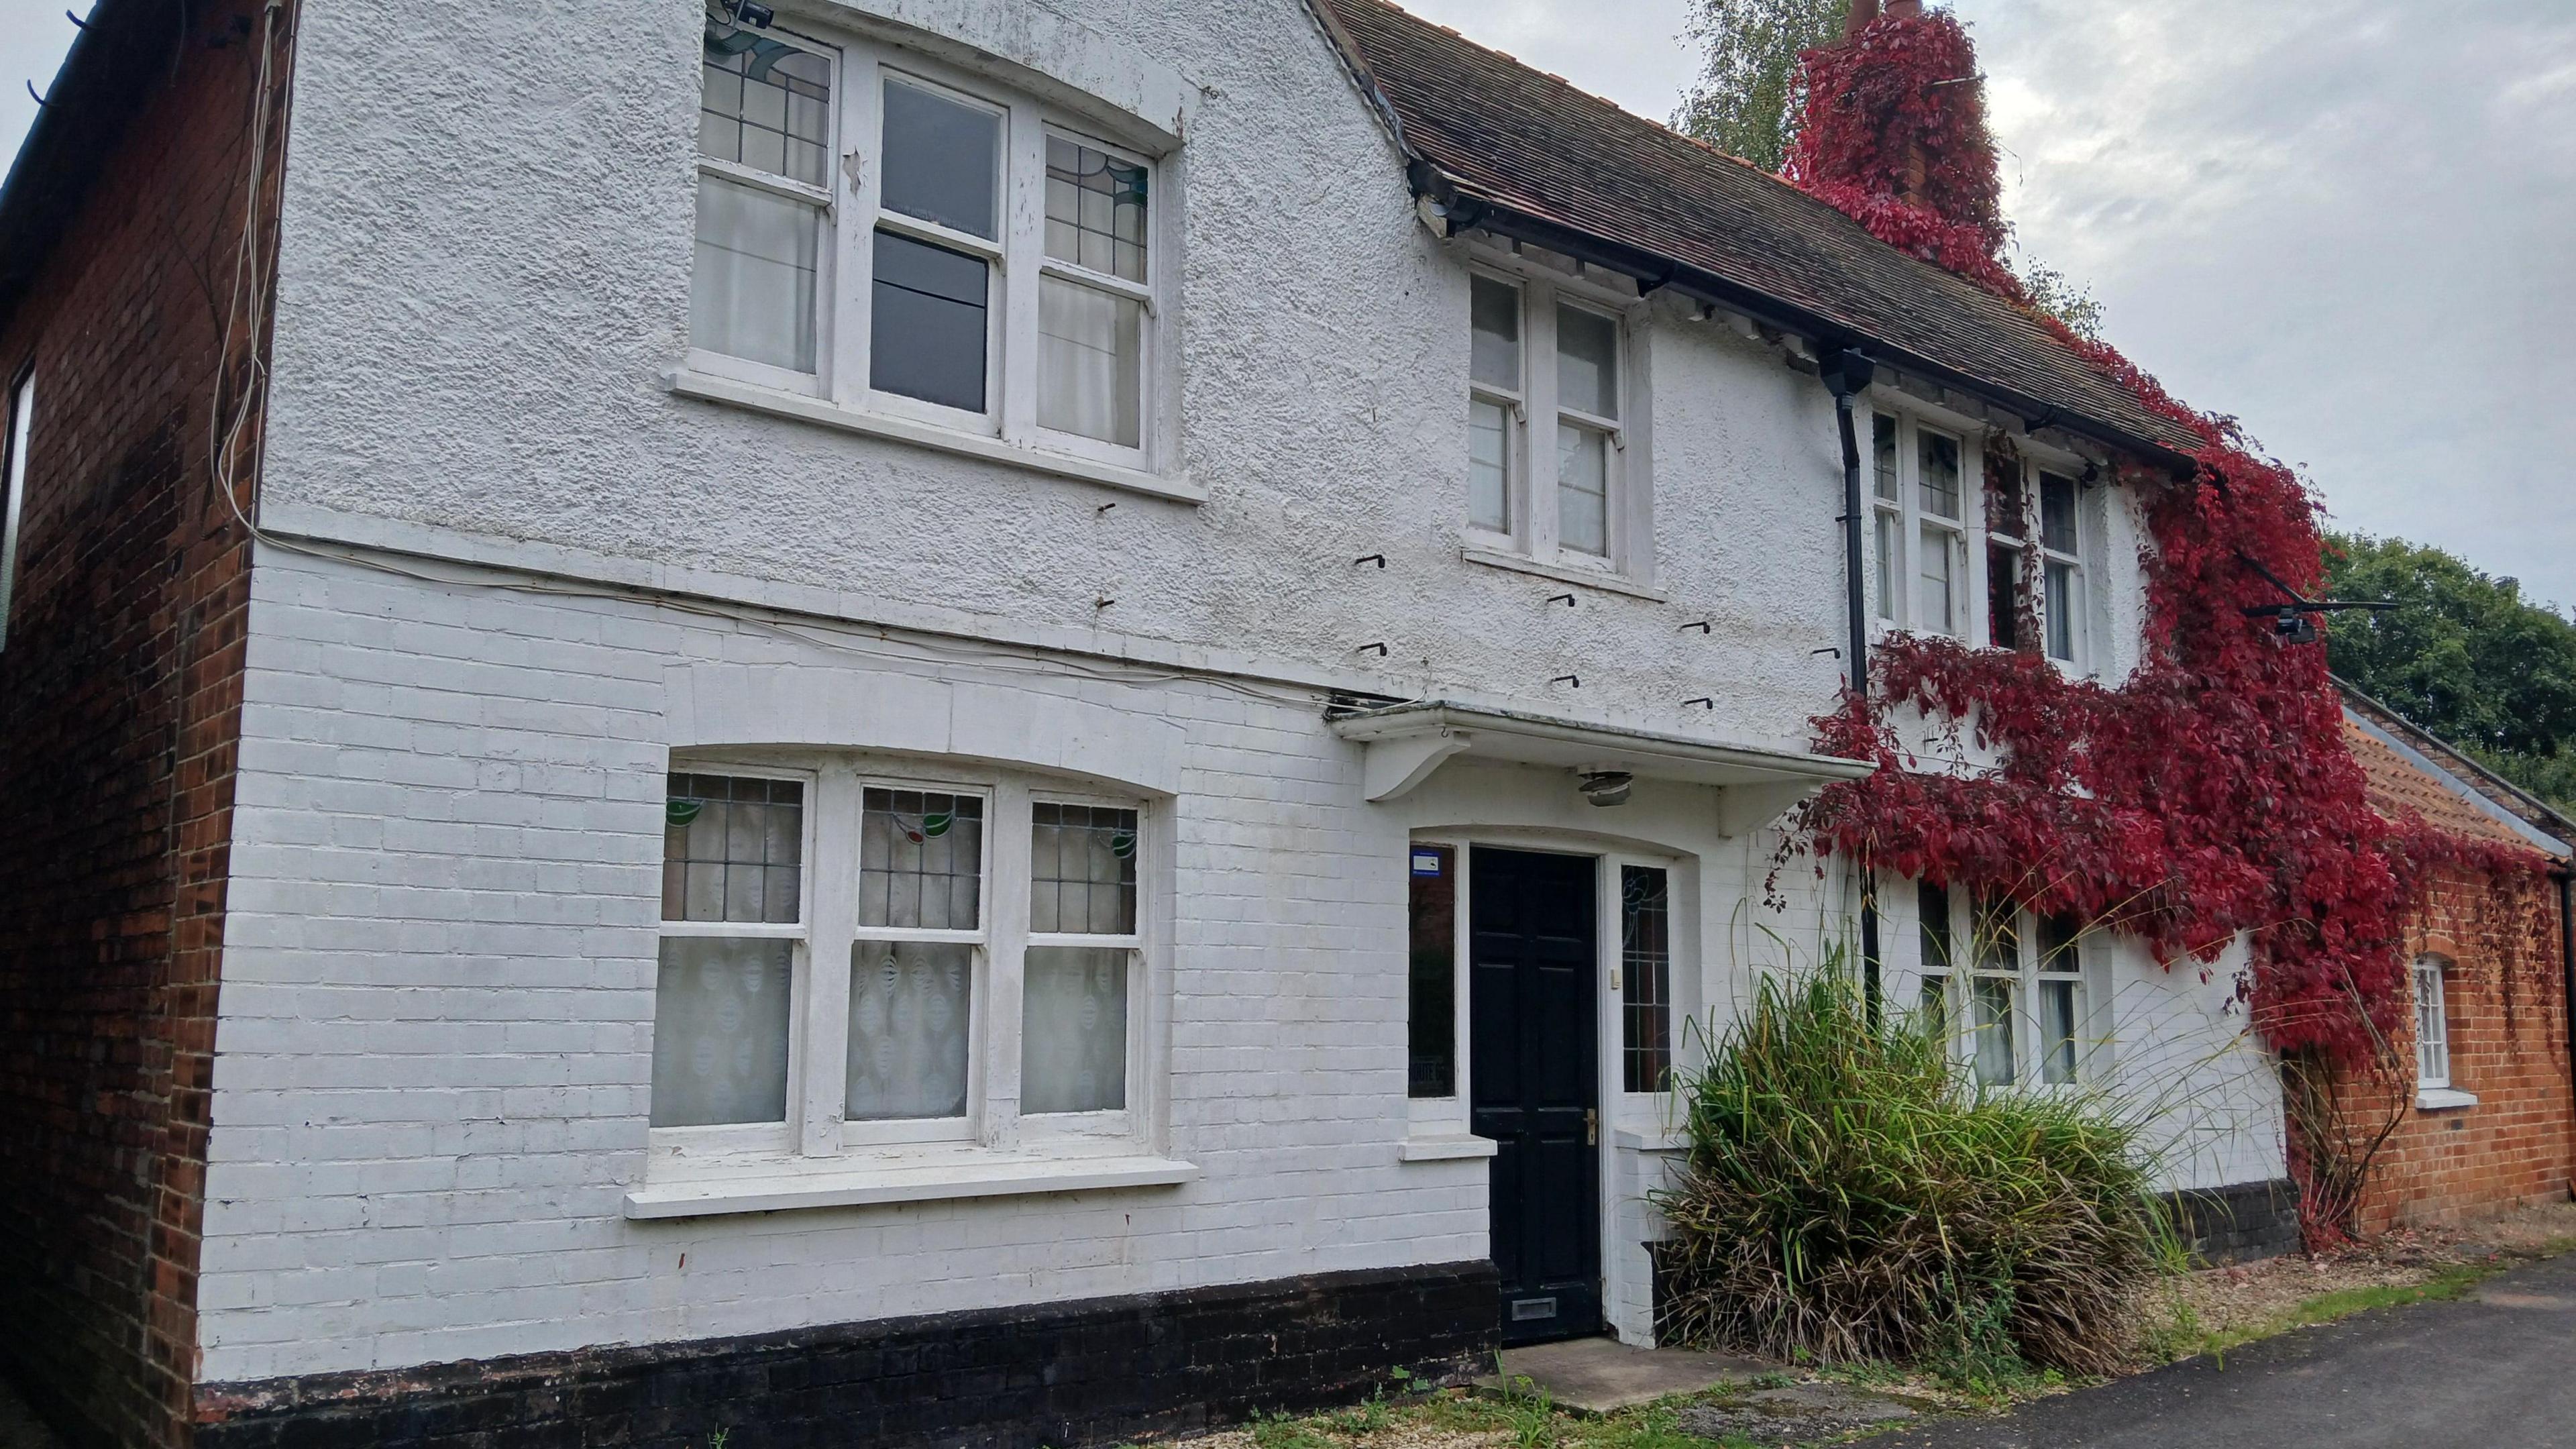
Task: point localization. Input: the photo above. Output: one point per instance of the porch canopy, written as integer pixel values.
(1407, 743)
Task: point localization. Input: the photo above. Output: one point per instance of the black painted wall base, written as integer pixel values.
(2239, 1223)
(1061, 1375)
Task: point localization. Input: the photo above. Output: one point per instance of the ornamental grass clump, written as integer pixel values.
(1849, 1197)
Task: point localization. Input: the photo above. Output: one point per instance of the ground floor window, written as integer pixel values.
(2006, 989)
(2432, 1024)
(837, 945)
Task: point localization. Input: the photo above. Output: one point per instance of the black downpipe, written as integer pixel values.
(1848, 373)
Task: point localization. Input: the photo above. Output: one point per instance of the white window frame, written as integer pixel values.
(1969, 536)
(1537, 413)
(2432, 1024)
(21, 432)
(818, 1043)
(2079, 643)
(1016, 261)
(2027, 1024)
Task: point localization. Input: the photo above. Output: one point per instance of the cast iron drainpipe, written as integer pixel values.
(1848, 373)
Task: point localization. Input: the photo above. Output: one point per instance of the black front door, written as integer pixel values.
(1532, 955)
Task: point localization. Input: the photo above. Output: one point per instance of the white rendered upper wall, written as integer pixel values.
(487, 251)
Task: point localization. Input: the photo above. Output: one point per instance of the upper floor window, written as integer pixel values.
(973, 261)
(1934, 548)
(835, 943)
(22, 426)
(1549, 465)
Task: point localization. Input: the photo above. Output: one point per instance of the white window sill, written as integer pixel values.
(921, 1175)
(1447, 1147)
(2443, 1099)
(1606, 582)
(707, 387)
(1650, 1141)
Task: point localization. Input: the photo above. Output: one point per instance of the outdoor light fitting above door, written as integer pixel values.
(1607, 787)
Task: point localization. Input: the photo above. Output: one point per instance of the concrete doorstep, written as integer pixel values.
(1603, 1375)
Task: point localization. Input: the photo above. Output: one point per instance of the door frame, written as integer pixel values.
(1445, 1115)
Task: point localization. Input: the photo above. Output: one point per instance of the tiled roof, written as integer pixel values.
(2399, 789)
(1499, 132)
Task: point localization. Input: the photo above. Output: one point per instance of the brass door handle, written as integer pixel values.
(1591, 1126)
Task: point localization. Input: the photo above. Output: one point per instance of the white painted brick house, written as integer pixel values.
(885, 652)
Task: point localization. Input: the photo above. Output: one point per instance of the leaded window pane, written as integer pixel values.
(1095, 210)
(768, 107)
(1082, 870)
(1882, 447)
(733, 849)
(2057, 514)
(921, 860)
(1645, 978)
(1938, 457)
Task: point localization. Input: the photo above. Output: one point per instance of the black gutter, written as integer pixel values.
(1466, 210)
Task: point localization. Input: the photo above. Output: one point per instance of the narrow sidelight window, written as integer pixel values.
(2061, 999)
(1932, 917)
(2062, 582)
(1646, 978)
(1887, 508)
(732, 914)
(22, 426)
(2432, 1025)
(1432, 1036)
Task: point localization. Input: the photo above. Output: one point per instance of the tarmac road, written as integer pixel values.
(2496, 1370)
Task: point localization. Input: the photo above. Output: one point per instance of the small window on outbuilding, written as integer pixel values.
(2432, 1025)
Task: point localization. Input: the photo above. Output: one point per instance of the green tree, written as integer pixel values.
(1748, 74)
(2464, 655)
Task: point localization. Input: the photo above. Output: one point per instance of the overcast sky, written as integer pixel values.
(2351, 223)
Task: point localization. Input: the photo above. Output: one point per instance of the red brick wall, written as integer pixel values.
(120, 698)
(2508, 1030)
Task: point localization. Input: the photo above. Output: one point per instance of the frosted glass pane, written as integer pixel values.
(752, 295)
(1073, 1034)
(1582, 490)
(1489, 497)
(1494, 315)
(1091, 361)
(1587, 362)
(720, 1032)
(909, 1017)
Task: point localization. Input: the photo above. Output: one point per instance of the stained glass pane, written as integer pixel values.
(909, 1016)
(1095, 210)
(921, 860)
(733, 849)
(1073, 1038)
(1646, 978)
(720, 1032)
(1082, 870)
(769, 108)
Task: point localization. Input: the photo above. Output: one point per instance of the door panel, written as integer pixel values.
(1533, 953)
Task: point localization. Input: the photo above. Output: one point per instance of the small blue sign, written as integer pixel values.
(1426, 862)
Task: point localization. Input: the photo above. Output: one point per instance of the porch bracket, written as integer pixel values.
(1743, 809)
(1395, 766)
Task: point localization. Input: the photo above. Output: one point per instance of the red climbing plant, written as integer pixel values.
(2209, 795)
